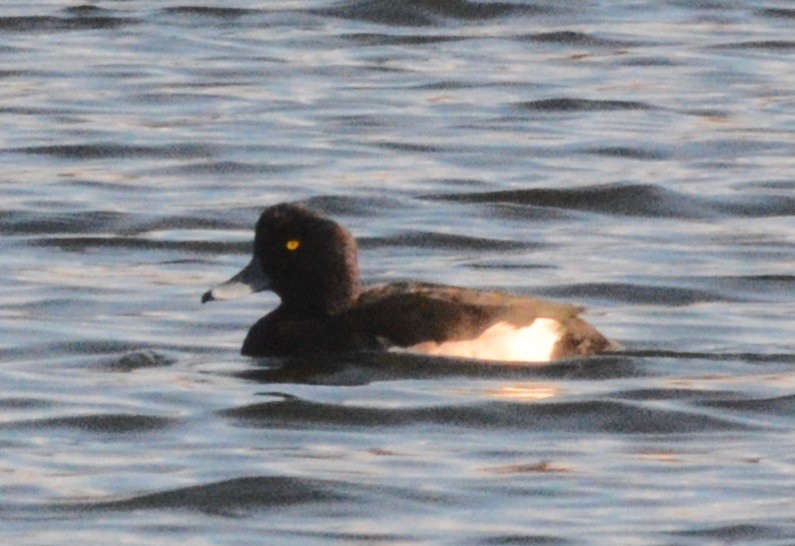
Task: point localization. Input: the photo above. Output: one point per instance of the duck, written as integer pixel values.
(311, 263)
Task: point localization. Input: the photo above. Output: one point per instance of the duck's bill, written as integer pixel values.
(251, 279)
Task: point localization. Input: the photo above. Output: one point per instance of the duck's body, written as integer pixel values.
(311, 263)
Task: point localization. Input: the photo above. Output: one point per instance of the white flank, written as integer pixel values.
(503, 341)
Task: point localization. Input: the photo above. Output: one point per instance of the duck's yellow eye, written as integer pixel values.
(292, 244)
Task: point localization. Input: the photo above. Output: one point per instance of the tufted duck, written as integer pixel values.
(311, 263)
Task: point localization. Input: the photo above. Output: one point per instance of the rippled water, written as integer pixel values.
(634, 157)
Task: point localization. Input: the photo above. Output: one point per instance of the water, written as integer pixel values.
(632, 157)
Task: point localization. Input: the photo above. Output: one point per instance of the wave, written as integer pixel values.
(428, 239)
(590, 416)
(425, 12)
(224, 497)
(565, 104)
(80, 244)
(117, 151)
(643, 200)
(234, 496)
(97, 423)
(73, 19)
(578, 39)
(776, 46)
(209, 12)
(639, 294)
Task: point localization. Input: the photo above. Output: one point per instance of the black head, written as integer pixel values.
(311, 261)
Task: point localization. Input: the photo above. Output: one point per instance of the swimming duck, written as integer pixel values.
(311, 263)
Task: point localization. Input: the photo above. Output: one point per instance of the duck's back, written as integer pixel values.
(460, 322)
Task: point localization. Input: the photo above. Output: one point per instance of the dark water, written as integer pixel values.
(633, 157)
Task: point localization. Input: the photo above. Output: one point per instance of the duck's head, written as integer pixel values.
(309, 261)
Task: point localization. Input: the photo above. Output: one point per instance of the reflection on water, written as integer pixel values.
(632, 158)
(544, 467)
(527, 392)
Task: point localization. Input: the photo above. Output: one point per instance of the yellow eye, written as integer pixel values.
(292, 244)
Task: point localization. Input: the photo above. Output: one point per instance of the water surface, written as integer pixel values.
(635, 158)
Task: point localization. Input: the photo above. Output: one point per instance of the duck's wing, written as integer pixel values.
(436, 320)
(406, 314)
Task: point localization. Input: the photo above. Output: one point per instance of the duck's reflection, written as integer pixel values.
(362, 368)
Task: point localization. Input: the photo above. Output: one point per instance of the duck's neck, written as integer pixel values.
(334, 289)
(340, 294)
(326, 301)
